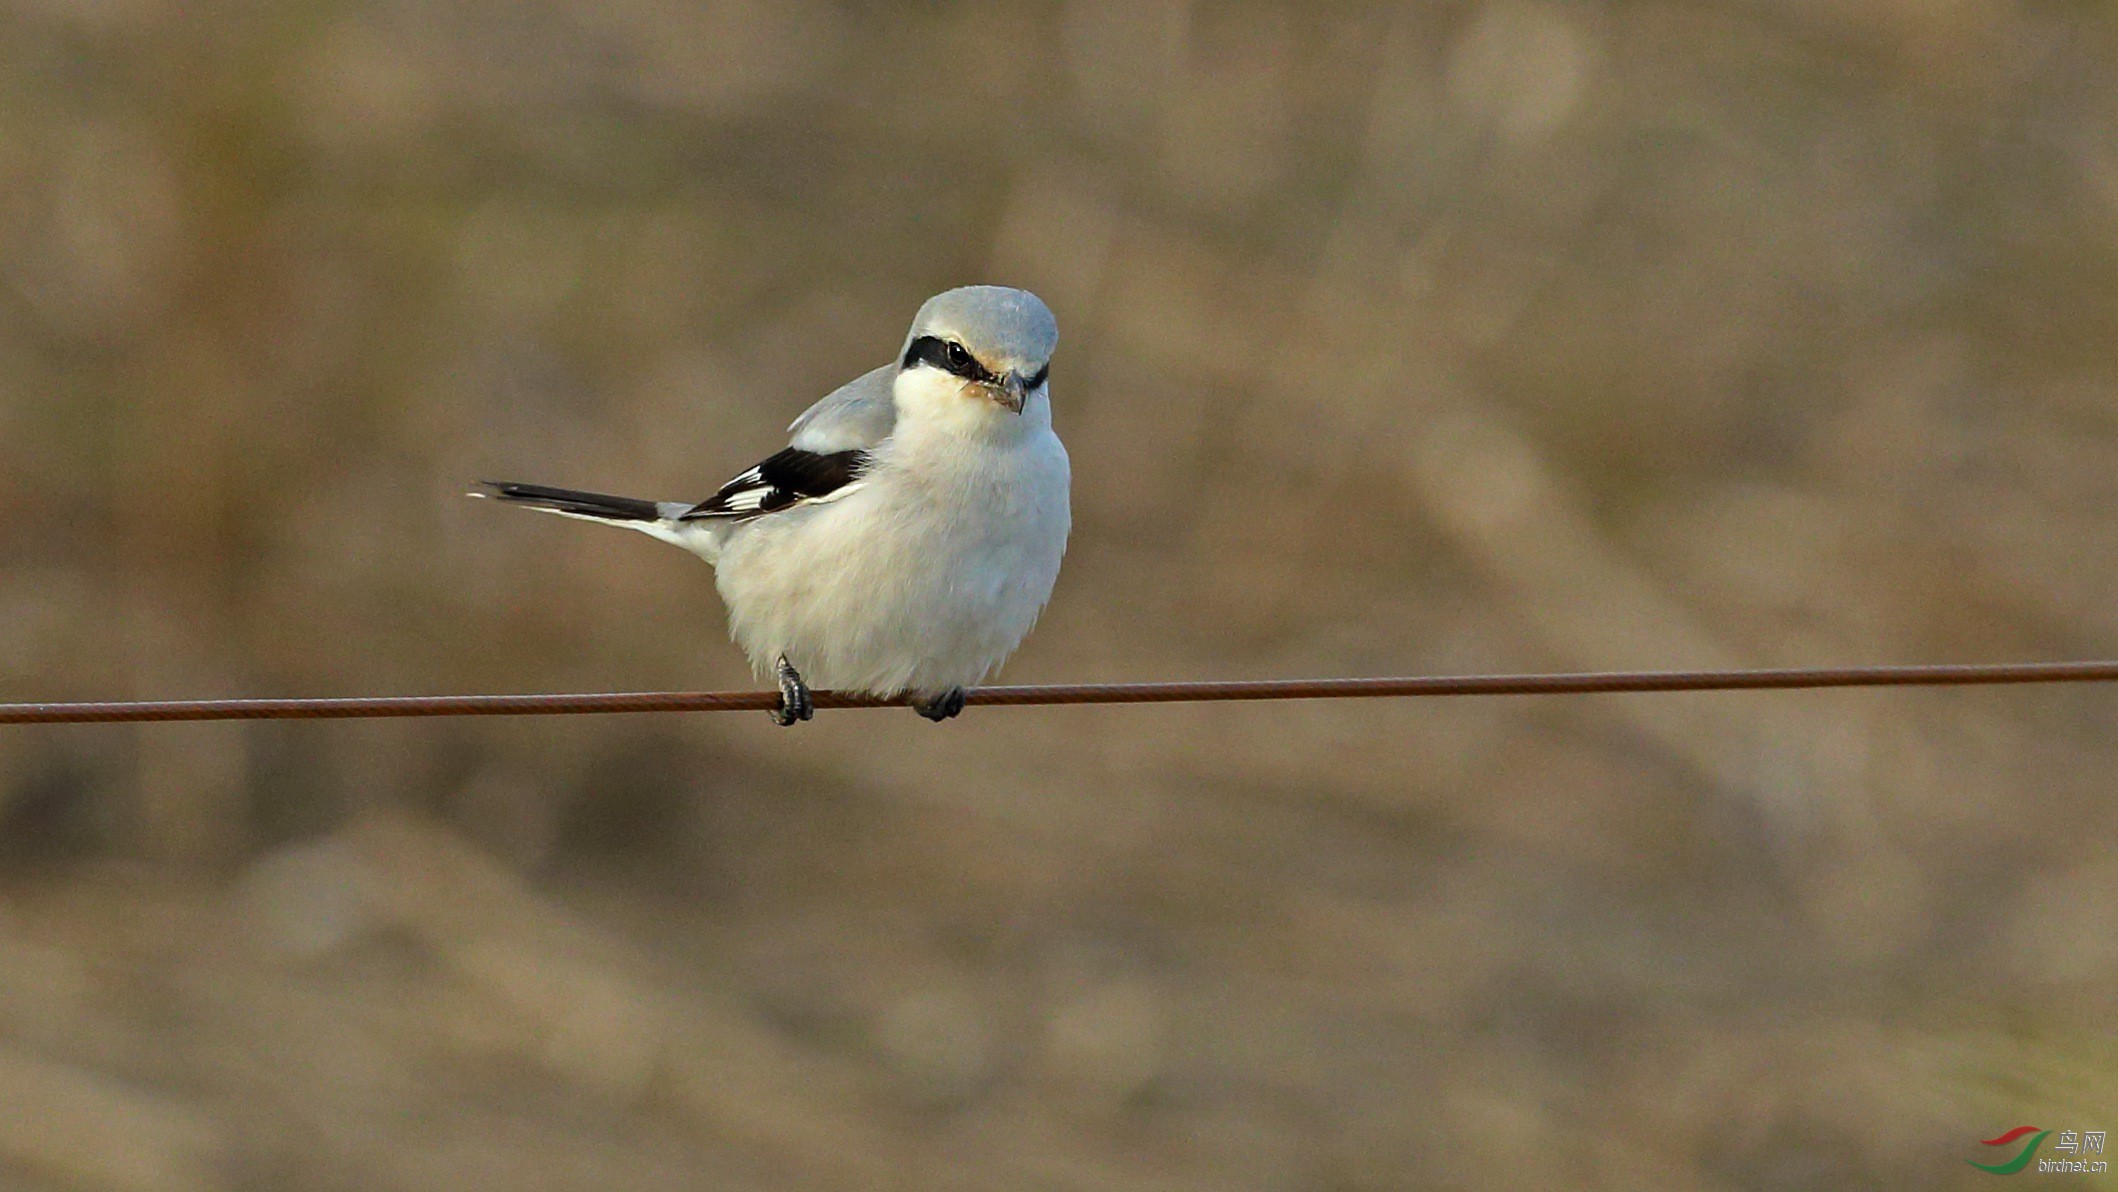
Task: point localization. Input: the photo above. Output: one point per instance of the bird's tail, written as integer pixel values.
(658, 518)
(569, 501)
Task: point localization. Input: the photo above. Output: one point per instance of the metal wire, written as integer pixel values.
(1077, 693)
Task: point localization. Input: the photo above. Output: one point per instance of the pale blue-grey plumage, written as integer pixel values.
(916, 524)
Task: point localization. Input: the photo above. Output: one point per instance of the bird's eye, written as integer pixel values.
(959, 360)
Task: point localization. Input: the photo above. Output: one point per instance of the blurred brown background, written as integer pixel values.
(1398, 338)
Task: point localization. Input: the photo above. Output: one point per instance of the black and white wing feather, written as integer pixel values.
(791, 477)
(828, 451)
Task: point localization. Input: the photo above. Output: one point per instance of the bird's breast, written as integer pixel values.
(924, 579)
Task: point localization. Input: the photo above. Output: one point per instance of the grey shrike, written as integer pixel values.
(909, 534)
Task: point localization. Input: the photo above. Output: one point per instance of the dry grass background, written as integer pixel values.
(1398, 338)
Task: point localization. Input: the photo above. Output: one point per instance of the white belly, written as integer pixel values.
(904, 585)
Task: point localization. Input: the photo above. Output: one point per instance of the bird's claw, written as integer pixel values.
(795, 704)
(941, 707)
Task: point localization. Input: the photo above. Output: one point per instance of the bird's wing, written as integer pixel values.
(829, 449)
(854, 417)
(789, 478)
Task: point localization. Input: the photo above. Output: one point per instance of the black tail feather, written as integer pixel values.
(568, 500)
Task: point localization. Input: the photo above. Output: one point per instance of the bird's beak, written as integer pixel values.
(1012, 391)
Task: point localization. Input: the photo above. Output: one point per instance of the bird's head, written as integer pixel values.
(977, 353)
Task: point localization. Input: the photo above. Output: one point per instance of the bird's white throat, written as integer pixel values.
(932, 402)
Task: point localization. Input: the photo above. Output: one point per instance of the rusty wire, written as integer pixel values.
(1076, 693)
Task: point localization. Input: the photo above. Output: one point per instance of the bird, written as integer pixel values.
(908, 536)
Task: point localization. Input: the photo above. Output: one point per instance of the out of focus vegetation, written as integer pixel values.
(1398, 338)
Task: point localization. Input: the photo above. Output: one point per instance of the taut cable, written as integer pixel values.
(1075, 693)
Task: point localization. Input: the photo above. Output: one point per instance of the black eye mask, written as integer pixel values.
(949, 357)
(952, 358)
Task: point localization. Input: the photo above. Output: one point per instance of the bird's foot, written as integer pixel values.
(941, 707)
(795, 704)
